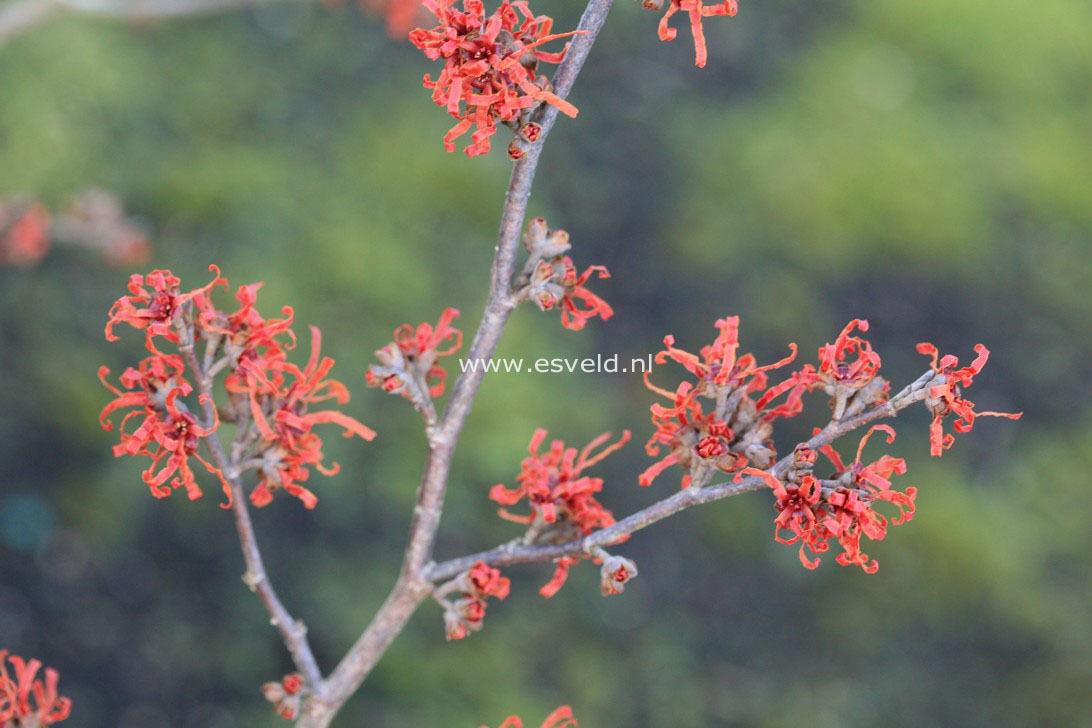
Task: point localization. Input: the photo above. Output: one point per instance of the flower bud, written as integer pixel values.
(530, 131)
(289, 708)
(803, 456)
(454, 626)
(534, 234)
(292, 683)
(614, 573)
(472, 610)
(273, 691)
(710, 447)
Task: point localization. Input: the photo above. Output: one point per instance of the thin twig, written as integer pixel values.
(293, 632)
(516, 553)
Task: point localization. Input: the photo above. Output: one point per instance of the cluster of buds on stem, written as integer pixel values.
(561, 498)
(407, 365)
(466, 614)
(549, 278)
(286, 695)
(270, 400)
(27, 700)
(490, 71)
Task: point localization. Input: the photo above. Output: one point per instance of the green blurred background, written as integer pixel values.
(926, 165)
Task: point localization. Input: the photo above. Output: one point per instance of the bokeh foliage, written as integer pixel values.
(924, 164)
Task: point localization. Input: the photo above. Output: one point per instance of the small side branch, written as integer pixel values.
(292, 631)
(516, 553)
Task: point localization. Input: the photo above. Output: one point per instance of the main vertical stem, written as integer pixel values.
(412, 587)
(499, 304)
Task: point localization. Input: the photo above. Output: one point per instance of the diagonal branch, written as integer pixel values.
(292, 631)
(412, 587)
(516, 553)
(499, 304)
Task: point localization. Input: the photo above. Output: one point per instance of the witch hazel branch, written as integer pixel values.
(718, 421)
(227, 398)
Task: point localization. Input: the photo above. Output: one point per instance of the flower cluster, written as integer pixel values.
(286, 695)
(271, 401)
(166, 429)
(24, 233)
(286, 445)
(561, 499)
(550, 280)
(696, 10)
(26, 699)
(466, 614)
(407, 365)
(560, 718)
(736, 430)
(489, 69)
(946, 398)
(814, 511)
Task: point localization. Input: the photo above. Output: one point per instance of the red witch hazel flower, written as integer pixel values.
(737, 430)
(696, 10)
(286, 695)
(560, 718)
(549, 278)
(25, 699)
(947, 398)
(155, 310)
(286, 443)
(489, 69)
(407, 365)
(270, 400)
(562, 499)
(165, 428)
(466, 614)
(814, 511)
(847, 369)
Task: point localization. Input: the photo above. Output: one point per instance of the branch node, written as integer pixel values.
(252, 580)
